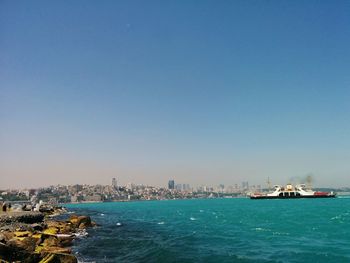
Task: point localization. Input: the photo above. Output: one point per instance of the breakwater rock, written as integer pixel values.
(21, 217)
(32, 238)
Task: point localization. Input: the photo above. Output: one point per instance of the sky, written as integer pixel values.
(202, 92)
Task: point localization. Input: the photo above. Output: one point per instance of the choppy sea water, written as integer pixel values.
(217, 230)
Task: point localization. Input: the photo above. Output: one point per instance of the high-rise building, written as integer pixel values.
(245, 185)
(171, 184)
(114, 182)
(178, 187)
(186, 187)
(130, 186)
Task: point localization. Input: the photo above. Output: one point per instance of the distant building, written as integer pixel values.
(130, 186)
(178, 187)
(207, 189)
(74, 199)
(171, 184)
(245, 185)
(186, 187)
(114, 182)
(93, 198)
(229, 189)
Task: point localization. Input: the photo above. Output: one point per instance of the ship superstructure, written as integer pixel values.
(290, 191)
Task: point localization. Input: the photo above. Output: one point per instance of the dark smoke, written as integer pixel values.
(307, 179)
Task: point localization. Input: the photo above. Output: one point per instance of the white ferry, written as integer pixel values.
(299, 191)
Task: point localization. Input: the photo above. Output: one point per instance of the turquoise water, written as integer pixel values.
(218, 230)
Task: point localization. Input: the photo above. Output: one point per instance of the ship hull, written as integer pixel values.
(291, 197)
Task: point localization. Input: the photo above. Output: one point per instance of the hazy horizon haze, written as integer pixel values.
(200, 92)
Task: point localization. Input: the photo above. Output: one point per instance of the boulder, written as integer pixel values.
(85, 220)
(30, 217)
(65, 240)
(83, 226)
(57, 224)
(50, 231)
(59, 258)
(37, 227)
(63, 227)
(13, 254)
(26, 243)
(76, 221)
(67, 229)
(46, 209)
(55, 249)
(6, 236)
(2, 238)
(22, 233)
(38, 238)
(51, 241)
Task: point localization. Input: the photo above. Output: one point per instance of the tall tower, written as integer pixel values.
(114, 182)
(171, 184)
(268, 183)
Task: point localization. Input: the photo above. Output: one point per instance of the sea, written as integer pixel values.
(217, 230)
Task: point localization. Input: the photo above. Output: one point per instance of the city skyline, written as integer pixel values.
(217, 93)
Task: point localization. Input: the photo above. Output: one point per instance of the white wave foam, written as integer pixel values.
(81, 233)
(260, 229)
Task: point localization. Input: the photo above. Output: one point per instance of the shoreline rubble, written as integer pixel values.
(31, 237)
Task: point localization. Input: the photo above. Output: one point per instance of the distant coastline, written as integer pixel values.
(111, 193)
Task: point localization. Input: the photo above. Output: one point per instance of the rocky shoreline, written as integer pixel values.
(32, 237)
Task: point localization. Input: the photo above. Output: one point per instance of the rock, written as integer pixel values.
(55, 249)
(50, 242)
(74, 220)
(38, 238)
(65, 240)
(37, 227)
(50, 231)
(85, 220)
(21, 217)
(27, 207)
(82, 226)
(22, 227)
(13, 254)
(2, 238)
(63, 227)
(67, 229)
(22, 233)
(7, 235)
(57, 224)
(46, 209)
(59, 258)
(26, 243)
(78, 220)
(24, 238)
(30, 217)
(7, 252)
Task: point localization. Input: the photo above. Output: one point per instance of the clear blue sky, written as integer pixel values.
(205, 92)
